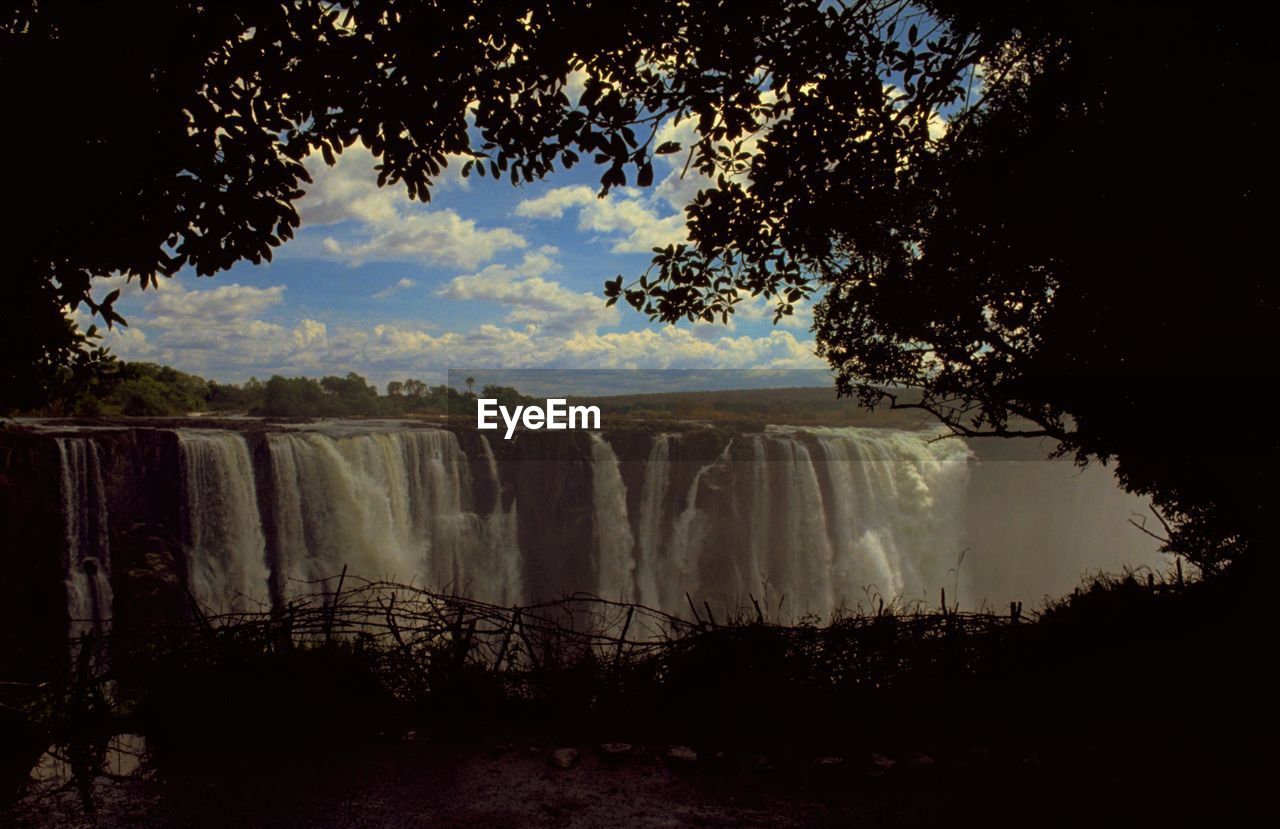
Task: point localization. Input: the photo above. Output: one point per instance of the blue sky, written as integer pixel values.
(486, 275)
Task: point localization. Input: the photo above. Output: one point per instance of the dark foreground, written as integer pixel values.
(1131, 702)
(418, 783)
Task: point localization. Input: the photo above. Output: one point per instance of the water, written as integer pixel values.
(87, 561)
(653, 497)
(677, 573)
(812, 520)
(224, 549)
(615, 546)
(393, 505)
(804, 521)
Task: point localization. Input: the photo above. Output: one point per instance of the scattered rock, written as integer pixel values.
(721, 760)
(918, 760)
(615, 751)
(829, 761)
(564, 757)
(499, 748)
(681, 754)
(881, 763)
(754, 762)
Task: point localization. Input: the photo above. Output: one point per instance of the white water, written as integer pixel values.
(897, 509)
(657, 477)
(615, 564)
(388, 505)
(819, 519)
(88, 554)
(679, 573)
(804, 521)
(503, 569)
(223, 545)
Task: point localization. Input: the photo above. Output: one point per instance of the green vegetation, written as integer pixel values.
(151, 390)
(136, 390)
(753, 408)
(974, 199)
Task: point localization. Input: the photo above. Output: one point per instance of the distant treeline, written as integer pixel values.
(152, 390)
(814, 406)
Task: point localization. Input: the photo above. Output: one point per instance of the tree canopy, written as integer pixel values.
(1046, 217)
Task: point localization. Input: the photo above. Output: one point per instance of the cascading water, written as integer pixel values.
(615, 564)
(679, 572)
(88, 554)
(386, 504)
(653, 497)
(895, 509)
(802, 520)
(801, 554)
(814, 519)
(502, 564)
(223, 544)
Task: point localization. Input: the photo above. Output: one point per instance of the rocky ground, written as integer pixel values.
(419, 783)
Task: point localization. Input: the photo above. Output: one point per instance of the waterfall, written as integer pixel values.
(804, 520)
(680, 571)
(750, 575)
(389, 505)
(904, 498)
(223, 544)
(653, 496)
(501, 546)
(87, 562)
(802, 557)
(843, 516)
(615, 563)
(812, 519)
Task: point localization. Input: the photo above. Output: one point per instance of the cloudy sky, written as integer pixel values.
(485, 276)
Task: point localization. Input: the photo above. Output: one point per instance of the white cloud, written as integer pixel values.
(679, 347)
(220, 334)
(391, 290)
(129, 342)
(391, 227)
(177, 307)
(534, 300)
(311, 334)
(680, 185)
(634, 222)
(103, 285)
(575, 83)
(757, 308)
(553, 203)
(682, 181)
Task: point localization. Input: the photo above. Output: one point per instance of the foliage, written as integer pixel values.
(176, 131)
(151, 390)
(1051, 264)
(507, 396)
(135, 389)
(374, 658)
(1076, 242)
(350, 396)
(753, 408)
(229, 397)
